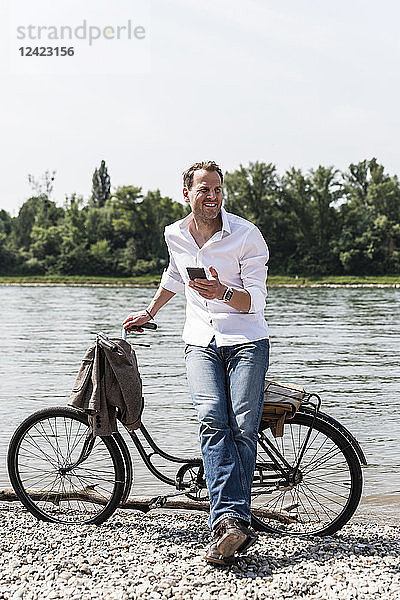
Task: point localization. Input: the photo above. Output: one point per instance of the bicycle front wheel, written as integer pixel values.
(60, 472)
(321, 496)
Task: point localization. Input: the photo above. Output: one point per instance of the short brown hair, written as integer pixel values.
(207, 165)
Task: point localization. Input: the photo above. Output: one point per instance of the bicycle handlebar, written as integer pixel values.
(148, 326)
(152, 326)
(105, 341)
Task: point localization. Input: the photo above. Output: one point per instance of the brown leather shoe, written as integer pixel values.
(250, 540)
(231, 535)
(213, 556)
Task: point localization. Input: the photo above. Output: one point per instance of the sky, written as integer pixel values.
(292, 83)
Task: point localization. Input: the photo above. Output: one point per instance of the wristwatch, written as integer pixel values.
(227, 295)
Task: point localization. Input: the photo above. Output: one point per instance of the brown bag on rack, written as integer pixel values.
(281, 402)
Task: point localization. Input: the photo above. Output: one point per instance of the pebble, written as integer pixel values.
(159, 556)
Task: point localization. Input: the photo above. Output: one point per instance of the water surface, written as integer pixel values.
(341, 343)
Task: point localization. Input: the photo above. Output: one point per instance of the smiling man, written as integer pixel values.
(227, 346)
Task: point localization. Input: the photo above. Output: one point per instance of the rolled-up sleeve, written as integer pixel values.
(253, 268)
(171, 279)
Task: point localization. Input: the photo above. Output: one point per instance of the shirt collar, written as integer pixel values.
(184, 224)
(225, 221)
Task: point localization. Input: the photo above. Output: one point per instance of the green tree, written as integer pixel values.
(251, 192)
(38, 210)
(124, 216)
(5, 222)
(154, 213)
(292, 252)
(98, 223)
(7, 256)
(369, 220)
(254, 192)
(22, 225)
(74, 256)
(316, 222)
(325, 190)
(101, 258)
(139, 224)
(127, 258)
(101, 186)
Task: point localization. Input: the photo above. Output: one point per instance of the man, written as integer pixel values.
(226, 349)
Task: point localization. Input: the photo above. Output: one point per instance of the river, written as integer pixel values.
(341, 343)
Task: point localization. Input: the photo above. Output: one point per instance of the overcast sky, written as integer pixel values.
(297, 83)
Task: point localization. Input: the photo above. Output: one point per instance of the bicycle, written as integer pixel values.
(308, 481)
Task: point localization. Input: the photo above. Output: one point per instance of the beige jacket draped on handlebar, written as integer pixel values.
(119, 388)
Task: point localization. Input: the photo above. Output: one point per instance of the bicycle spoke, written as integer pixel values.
(56, 478)
(32, 442)
(313, 494)
(323, 508)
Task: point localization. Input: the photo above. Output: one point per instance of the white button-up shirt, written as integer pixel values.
(239, 254)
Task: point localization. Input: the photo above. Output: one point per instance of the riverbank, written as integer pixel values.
(159, 556)
(351, 281)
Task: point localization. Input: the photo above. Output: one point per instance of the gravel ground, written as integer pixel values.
(159, 556)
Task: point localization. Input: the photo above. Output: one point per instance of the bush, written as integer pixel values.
(32, 266)
(143, 267)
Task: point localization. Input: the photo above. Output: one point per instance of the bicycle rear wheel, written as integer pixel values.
(60, 472)
(322, 496)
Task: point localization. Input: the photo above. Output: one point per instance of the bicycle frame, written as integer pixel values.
(275, 474)
(281, 472)
(146, 456)
(278, 465)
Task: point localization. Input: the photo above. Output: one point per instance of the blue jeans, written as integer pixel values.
(227, 385)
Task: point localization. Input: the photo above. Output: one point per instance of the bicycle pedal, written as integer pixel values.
(158, 502)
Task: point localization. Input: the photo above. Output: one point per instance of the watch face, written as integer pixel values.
(228, 295)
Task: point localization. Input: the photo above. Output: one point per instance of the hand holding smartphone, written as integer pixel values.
(196, 273)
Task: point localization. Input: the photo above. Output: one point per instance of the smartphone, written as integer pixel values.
(196, 273)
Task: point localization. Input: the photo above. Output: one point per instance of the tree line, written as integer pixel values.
(319, 222)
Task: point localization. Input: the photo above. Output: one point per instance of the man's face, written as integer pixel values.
(205, 195)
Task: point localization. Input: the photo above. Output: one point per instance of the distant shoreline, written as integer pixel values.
(148, 285)
(151, 281)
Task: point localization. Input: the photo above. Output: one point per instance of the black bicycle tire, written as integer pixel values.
(341, 428)
(128, 464)
(355, 471)
(23, 494)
